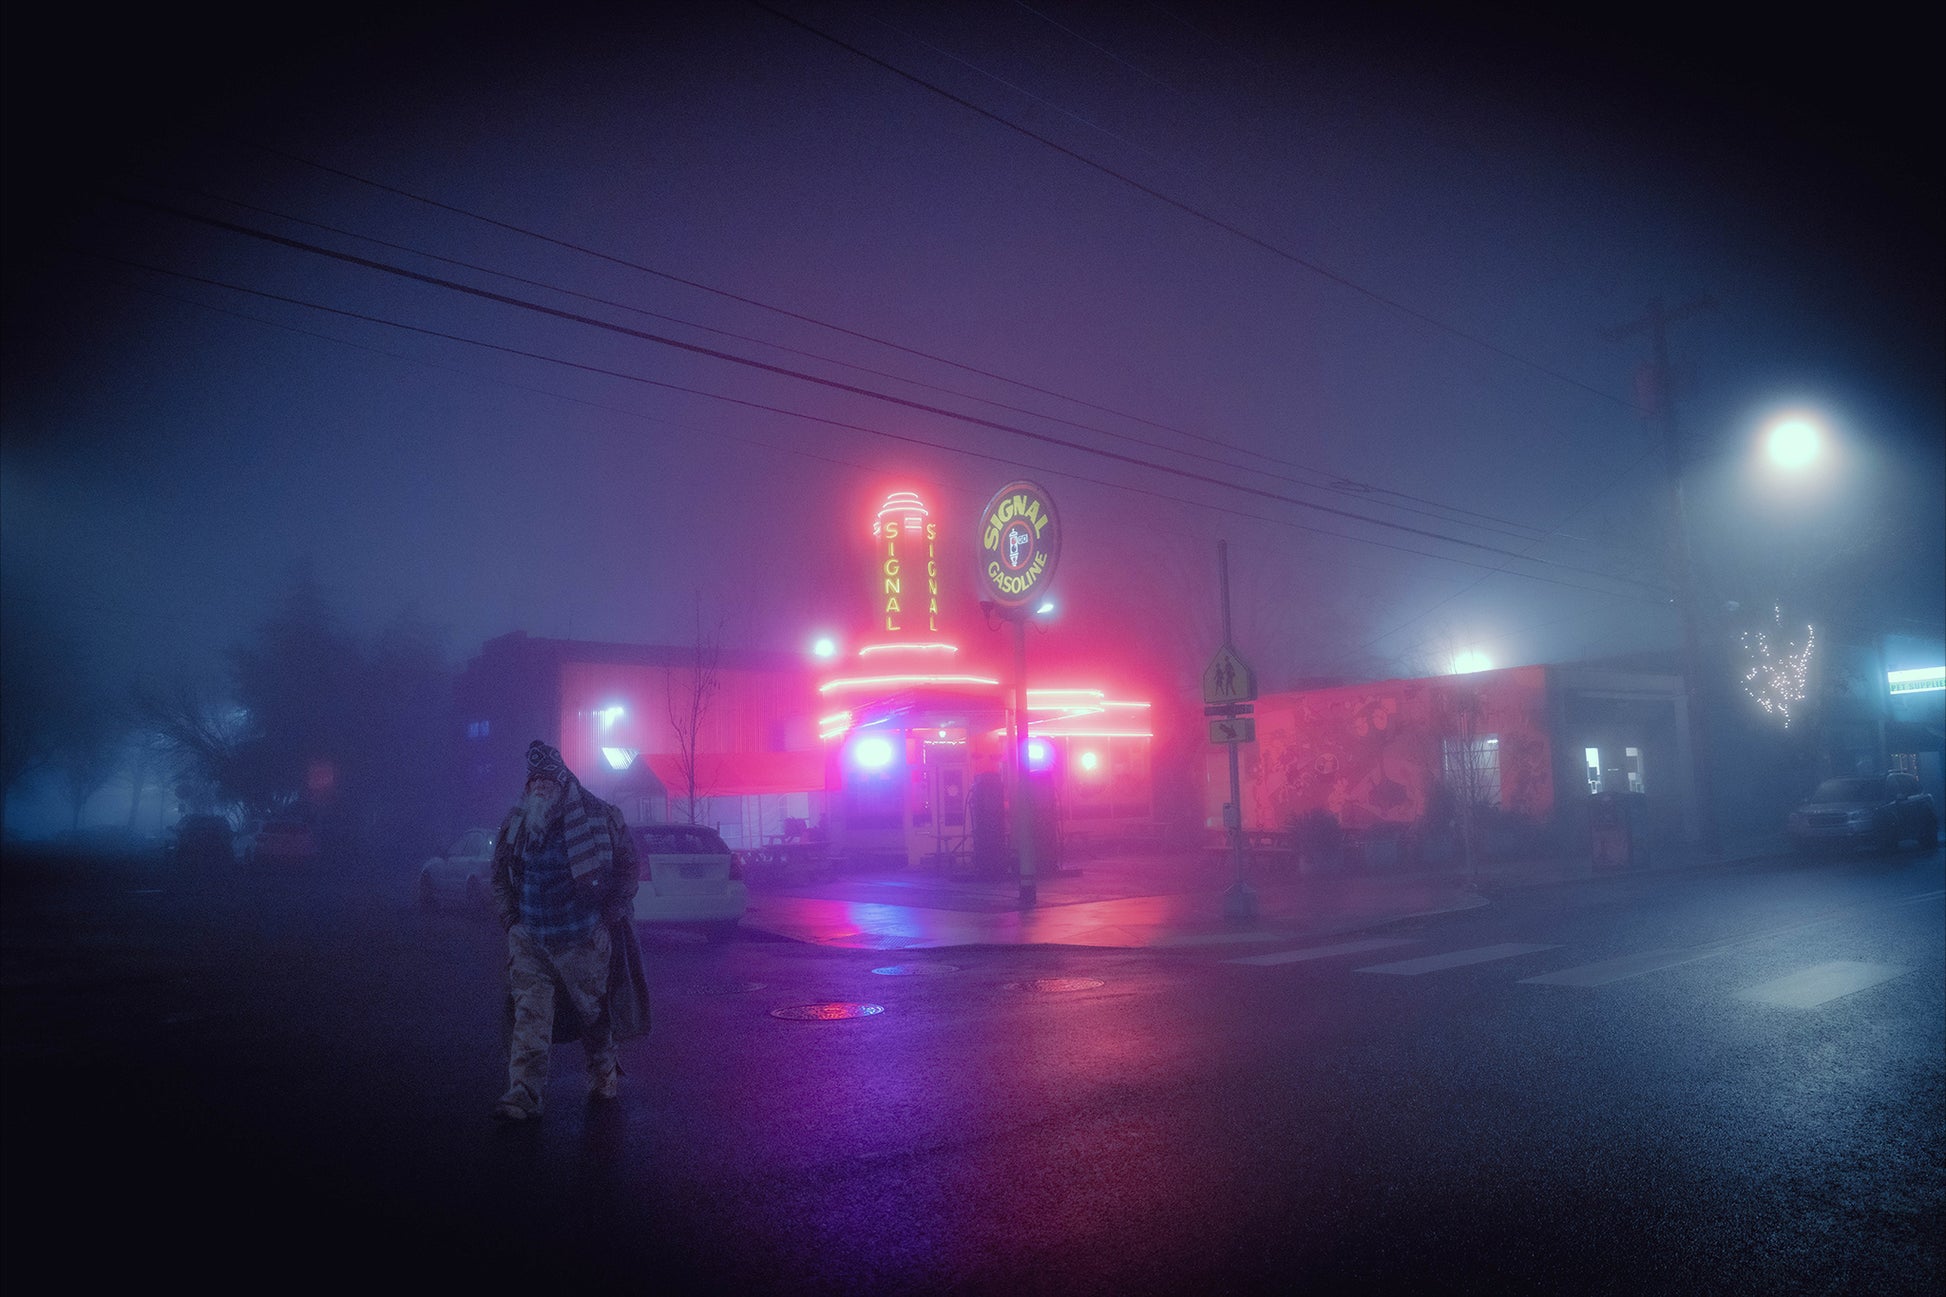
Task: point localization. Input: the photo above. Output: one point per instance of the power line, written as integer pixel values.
(1483, 579)
(1198, 214)
(878, 432)
(850, 388)
(1338, 482)
(1334, 484)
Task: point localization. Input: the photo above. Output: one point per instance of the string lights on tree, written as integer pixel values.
(1779, 676)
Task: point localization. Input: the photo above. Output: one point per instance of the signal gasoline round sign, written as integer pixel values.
(1019, 542)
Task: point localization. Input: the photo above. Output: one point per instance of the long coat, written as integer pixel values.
(627, 1001)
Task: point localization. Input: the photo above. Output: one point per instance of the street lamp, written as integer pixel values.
(1794, 443)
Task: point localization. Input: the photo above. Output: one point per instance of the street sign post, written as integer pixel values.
(1228, 678)
(1228, 684)
(1235, 729)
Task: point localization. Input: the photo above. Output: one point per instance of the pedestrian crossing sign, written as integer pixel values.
(1228, 678)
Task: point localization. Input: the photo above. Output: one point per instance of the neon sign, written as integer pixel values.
(1019, 543)
(902, 526)
(1924, 680)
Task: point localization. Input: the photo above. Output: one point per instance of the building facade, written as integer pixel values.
(1530, 747)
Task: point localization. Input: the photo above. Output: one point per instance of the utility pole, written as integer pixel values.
(1661, 409)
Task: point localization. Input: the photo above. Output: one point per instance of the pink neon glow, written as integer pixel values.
(1087, 708)
(1043, 732)
(868, 682)
(909, 648)
(907, 502)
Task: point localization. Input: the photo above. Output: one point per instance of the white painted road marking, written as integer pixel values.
(1454, 959)
(1823, 983)
(1614, 970)
(1323, 952)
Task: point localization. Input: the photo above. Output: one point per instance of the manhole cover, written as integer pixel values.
(915, 970)
(1056, 984)
(827, 1012)
(729, 988)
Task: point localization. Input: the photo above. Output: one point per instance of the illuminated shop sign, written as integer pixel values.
(906, 537)
(1922, 680)
(1019, 542)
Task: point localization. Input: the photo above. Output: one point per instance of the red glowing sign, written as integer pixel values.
(904, 529)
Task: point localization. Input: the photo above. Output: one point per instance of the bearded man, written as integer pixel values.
(564, 877)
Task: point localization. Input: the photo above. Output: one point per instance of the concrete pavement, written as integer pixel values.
(1150, 898)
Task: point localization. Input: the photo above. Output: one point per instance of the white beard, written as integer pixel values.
(536, 813)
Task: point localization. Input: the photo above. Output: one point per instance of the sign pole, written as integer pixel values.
(1023, 783)
(1020, 542)
(1239, 902)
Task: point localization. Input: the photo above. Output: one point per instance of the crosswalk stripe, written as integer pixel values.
(1323, 952)
(1454, 959)
(1822, 983)
(1615, 970)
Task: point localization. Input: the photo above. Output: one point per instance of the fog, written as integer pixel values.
(590, 324)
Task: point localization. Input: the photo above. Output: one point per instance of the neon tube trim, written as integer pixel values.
(866, 682)
(915, 648)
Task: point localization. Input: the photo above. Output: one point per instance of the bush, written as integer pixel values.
(1319, 837)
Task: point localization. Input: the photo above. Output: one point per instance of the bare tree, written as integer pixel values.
(690, 691)
(1469, 768)
(199, 742)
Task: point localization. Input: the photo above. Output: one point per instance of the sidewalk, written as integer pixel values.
(1152, 898)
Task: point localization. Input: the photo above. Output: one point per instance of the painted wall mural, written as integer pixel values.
(1372, 754)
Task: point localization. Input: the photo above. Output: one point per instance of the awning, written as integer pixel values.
(741, 774)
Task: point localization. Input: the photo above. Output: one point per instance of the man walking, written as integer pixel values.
(564, 877)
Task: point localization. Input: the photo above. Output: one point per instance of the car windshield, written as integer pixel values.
(1849, 790)
(683, 841)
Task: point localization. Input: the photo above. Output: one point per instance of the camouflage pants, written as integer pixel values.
(534, 974)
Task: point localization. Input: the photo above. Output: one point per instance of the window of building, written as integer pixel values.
(478, 729)
(1473, 768)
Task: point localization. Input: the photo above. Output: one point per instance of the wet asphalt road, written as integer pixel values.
(1736, 1084)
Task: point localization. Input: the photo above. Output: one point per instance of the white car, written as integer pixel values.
(462, 875)
(689, 875)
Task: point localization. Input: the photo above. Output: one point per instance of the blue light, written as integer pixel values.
(1040, 754)
(873, 753)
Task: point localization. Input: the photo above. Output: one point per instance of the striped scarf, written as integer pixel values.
(591, 847)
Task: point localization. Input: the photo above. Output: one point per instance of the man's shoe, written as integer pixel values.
(512, 1113)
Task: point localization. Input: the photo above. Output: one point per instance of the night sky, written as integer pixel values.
(1335, 291)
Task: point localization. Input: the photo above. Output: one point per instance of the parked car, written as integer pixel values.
(202, 842)
(1870, 810)
(278, 841)
(461, 875)
(689, 875)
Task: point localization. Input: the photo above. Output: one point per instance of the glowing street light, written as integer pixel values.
(1471, 660)
(1794, 443)
(824, 647)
